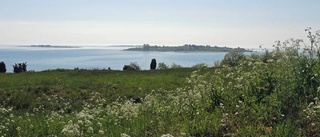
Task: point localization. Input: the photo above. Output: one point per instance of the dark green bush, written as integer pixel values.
(3, 67)
(132, 66)
(153, 64)
(20, 67)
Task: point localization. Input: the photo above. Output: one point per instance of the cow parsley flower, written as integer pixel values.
(124, 135)
(167, 135)
(71, 129)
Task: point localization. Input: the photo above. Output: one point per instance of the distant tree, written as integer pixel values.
(20, 67)
(153, 64)
(162, 65)
(3, 67)
(146, 47)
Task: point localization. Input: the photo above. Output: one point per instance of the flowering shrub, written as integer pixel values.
(71, 129)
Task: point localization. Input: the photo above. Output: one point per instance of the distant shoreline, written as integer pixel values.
(186, 48)
(50, 46)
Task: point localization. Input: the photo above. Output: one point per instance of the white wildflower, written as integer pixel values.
(124, 135)
(99, 124)
(88, 122)
(167, 135)
(83, 115)
(71, 129)
(183, 134)
(101, 132)
(18, 129)
(310, 104)
(90, 129)
(80, 122)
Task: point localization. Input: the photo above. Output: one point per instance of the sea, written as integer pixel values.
(98, 57)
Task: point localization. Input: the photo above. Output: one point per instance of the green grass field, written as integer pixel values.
(272, 94)
(77, 84)
(40, 93)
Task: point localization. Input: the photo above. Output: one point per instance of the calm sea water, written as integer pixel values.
(39, 59)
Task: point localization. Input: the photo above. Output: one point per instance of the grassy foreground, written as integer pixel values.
(42, 103)
(273, 94)
(78, 84)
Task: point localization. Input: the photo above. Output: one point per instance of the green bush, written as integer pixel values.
(3, 67)
(162, 65)
(233, 58)
(132, 66)
(175, 66)
(20, 67)
(153, 64)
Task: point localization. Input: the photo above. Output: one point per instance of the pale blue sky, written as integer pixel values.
(244, 23)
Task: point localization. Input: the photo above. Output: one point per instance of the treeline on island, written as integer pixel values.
(186, 48)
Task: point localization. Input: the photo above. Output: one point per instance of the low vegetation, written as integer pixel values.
(133, 66)
(162, 65)
(271, 94)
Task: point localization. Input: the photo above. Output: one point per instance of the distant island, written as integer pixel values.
(50, 46)
(186, 48)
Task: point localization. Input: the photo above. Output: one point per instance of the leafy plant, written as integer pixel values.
(132, 66)
(233, 58)
(175, 66)
(20, 67)
(153, 64)
(162, 65)
(3, 67)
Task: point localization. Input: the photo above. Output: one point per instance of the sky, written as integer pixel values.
(232, 23)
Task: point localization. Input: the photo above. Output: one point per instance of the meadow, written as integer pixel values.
(271, 94)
